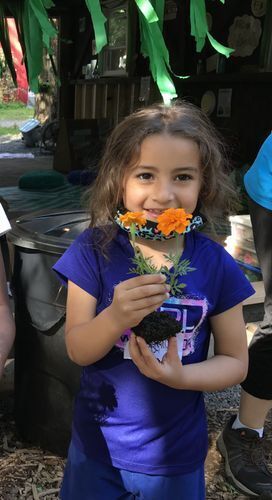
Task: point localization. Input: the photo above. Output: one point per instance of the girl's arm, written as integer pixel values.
(226, 368)
(90, 337)
(7, 326)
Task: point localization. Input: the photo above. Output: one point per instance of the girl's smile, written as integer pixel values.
(168, 175)
(153, 213)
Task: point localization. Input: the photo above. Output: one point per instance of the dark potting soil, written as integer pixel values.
(157, 327)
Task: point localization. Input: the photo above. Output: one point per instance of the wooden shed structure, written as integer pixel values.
(97, 88)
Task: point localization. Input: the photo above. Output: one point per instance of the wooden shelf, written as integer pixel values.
(106, 80)
(260, 77)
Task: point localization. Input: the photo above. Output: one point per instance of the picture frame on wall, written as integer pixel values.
(224, 103)
(241, 26)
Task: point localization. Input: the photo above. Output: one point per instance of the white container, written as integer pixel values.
(31, 131)
(241, 232)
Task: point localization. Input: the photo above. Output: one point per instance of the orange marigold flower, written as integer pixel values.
(130, 218)
(173, 220)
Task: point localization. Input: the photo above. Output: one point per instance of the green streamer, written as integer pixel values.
(218, 46)
(5, 42)
(146, 8)
(153, 46)
(17, 12)
(199, 28)
(38, 31)
(47, 28)
(159, 8)
(98, 20)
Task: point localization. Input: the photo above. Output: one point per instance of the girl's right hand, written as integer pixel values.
(136, 297)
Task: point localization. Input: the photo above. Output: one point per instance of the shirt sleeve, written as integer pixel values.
(80, 264)
(233, 287)
(4, 222)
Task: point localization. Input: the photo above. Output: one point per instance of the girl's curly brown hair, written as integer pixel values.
(217, 196)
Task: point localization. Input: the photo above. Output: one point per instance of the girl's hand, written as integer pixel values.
(168, 371)
(136, 297)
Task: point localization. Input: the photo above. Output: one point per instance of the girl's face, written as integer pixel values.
(168, 175)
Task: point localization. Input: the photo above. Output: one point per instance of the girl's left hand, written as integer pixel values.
(168, 371)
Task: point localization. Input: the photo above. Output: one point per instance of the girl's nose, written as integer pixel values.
(163, 193)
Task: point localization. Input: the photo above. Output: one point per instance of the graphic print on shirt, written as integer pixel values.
(190, 311)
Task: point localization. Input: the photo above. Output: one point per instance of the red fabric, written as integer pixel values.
(17, 55)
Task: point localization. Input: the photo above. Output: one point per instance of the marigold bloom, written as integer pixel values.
(130, 218)
(173, 220)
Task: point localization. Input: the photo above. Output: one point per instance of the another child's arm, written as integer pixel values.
(226, 368)
(90, 337)
(7, 326)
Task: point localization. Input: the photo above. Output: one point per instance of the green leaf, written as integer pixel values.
(143, 265)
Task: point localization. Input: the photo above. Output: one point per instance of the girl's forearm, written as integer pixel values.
(91, 341)
(214, 374)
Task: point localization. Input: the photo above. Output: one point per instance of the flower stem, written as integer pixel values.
(132, 232)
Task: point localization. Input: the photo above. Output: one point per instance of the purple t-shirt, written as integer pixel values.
(122, 417)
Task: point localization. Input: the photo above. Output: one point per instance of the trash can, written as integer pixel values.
(45, 378)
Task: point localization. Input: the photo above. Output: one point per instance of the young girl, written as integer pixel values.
(139, 428)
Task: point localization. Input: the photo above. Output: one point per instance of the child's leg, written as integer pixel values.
(86, 479)
(182, 487)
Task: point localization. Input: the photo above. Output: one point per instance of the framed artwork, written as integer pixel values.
(224, 103)
(239, 25)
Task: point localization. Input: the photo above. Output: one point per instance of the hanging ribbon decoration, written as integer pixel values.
(153, 46)
(159, 8)
(17, 13)
(199, 28)
(98, 20)
(38, 31)
(5, 42)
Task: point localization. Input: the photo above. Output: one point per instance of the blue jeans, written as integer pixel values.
(86, 479)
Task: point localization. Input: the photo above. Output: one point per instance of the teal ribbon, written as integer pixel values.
(38, 31)
(199, 28)
(98, 20)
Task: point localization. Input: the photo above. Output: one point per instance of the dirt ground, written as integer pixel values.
(32, 474)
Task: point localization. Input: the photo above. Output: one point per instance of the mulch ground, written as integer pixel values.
(26, 472)
(29, 473)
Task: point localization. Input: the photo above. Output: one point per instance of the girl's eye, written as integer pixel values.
(184, 177)
(145, 176)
